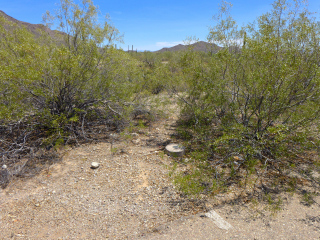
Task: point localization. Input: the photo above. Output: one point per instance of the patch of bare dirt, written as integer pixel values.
(129, 195)
(248, 221)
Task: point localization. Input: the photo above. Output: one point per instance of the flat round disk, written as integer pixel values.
(175, 150)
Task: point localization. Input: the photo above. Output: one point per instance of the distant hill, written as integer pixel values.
(198, 46)
(33, 28)
(57, 35)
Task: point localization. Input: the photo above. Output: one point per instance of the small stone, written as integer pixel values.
(315, 174)
(4, 166)
(4, 177)
(122, 151)
(134, 134)
(136, 141)
(238, 158)
(95, 165)
(114, 136)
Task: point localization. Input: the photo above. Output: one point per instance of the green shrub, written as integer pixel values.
(251, 106)
(63, 89)
(63, 81)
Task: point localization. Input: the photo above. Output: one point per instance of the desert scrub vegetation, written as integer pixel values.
(73, 87)
(250, 114)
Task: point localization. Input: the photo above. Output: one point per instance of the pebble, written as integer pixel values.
(134, 134)
(95, 165)
(114, 136)
(136, 141)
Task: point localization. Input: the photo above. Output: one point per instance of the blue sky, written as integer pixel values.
(152, 25)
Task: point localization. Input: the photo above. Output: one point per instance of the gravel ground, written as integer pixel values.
(130, 196)
(126, 197)
(293, 221)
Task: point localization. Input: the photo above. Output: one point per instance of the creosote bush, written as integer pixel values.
(66, 88)
(249, 113)
(252, 106)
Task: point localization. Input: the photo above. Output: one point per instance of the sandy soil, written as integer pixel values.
(293, 221)
(130, 196)
(126, 197)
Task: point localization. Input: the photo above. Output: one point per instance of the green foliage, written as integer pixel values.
(274, 205)
(155, 73)
(161, 71)
(75, 77)
(22, 60)
(65, 79)
(272, 78)
(250, 106)
(190, 183)
(246, 110)
(307, 198)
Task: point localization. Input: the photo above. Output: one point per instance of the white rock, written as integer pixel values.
(114, 136)
(219, 221)
(95, 165)
(136, 141)
(4, 167)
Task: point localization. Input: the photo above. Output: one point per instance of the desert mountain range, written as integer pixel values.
(35, 29)
(198, 46)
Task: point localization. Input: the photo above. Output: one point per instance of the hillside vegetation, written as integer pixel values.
(249, 110)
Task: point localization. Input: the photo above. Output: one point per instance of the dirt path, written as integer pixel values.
(126, 197)
(294, 221)
(130, 196)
